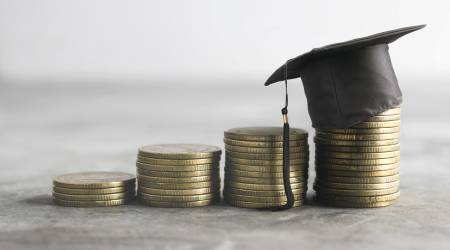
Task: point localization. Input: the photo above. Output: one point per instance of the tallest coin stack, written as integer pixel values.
(359, 166)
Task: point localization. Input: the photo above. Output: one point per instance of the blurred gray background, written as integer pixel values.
(83, 84)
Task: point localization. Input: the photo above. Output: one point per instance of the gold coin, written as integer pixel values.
(387, 124)
(186, 168)
(322, 153)
(359, 180)
(356, 186)
(379, 149)
(392, 111)
(246, 204)
(268, 157)
(178, 186)
(361, 130)
(265, 181)
(180, 151)
(266, 169)
(357, 137)
(92, 197)
(264, 134)
(263, 187)
(358, 162)
(233, 172)
(348, 192)
(175, 192)
(265, 144)
(254, 150)
(248, 192)
(172, 162)
(178, 198)
(383, 118)
(173, 174)
(327, 172)
(87, 180)
(359, 199)
(129, 188)
(329, 166)
(358, 205)
(354, 143)
(178, 179)
(263, 162)
(109, 203)
(178, 204)
(260, 199)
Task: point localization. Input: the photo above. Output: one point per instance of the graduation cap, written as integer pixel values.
(345, 83)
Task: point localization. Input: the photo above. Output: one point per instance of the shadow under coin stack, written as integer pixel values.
(93, 189)
(359, 166)
(178, 175)
(254, 166)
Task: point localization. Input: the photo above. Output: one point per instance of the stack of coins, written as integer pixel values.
(254, 166)
(359, 166)
(93, 189)
(178, 175)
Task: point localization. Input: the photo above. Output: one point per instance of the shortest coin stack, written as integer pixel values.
(93, 189)
(178, 175)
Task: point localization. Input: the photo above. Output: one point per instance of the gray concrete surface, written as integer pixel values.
(49, 129)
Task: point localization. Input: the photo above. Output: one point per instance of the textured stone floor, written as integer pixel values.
(46, 130)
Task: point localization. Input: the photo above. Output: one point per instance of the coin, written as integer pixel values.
(85, 180)
(129, 188)
(387, 124)
(357, 137)
(89, 203)
(356, 186)
(358, 205)
(173, 174)
(248, 192)
(361, 130)
(349, 192)
(265, 144)
(178, 179)
(358, 162)
(262, 187)
(172, 162)
(392, 111)
(245, 204)
(181, 168)
(357, 167)
(266, 169)
(260, 199)
(92, 197)
(178, 204)
(269, 157)
(266, 181)
(234, 172)
(180, 151)
(178, 186)
(264, 134)
(194, 191)
(178, 198)
(361, 180)
(263, 162)
(355, 143)
(383, 118)
(255, 150)
(379, 149)
(327, 172)
(340, 155)
(360, 199)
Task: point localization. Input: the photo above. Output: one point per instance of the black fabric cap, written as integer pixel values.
(346, 83)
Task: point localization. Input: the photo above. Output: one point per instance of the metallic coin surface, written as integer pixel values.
(178, 198)
(357, 167)
(269, 157)
(178, 179)
(186, 168)
(392, 111)
(249, 192)
(180, 151)
(174, 162)
(194, 191)
(361, 130)
(264, 144)
(348, 192)
(233, 172)
(256, 150)
(90, 191)
(109, 203)
(383, 118)
(357, 137)
(264, 134)
(262, 187)
(263, 162)
(379, 149)
(345, 155)
(355, 143)
(266, 169)
(260, 199)
(338, 185)
(177, 204)
(179, 186)
(98, 179)
(358, 205)
(265, 181)
(359, 180)
(173, 174)
(362, 199)
(327, 172)
(246, 204)
(363, 162)
(387, 124)
(92, 197)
